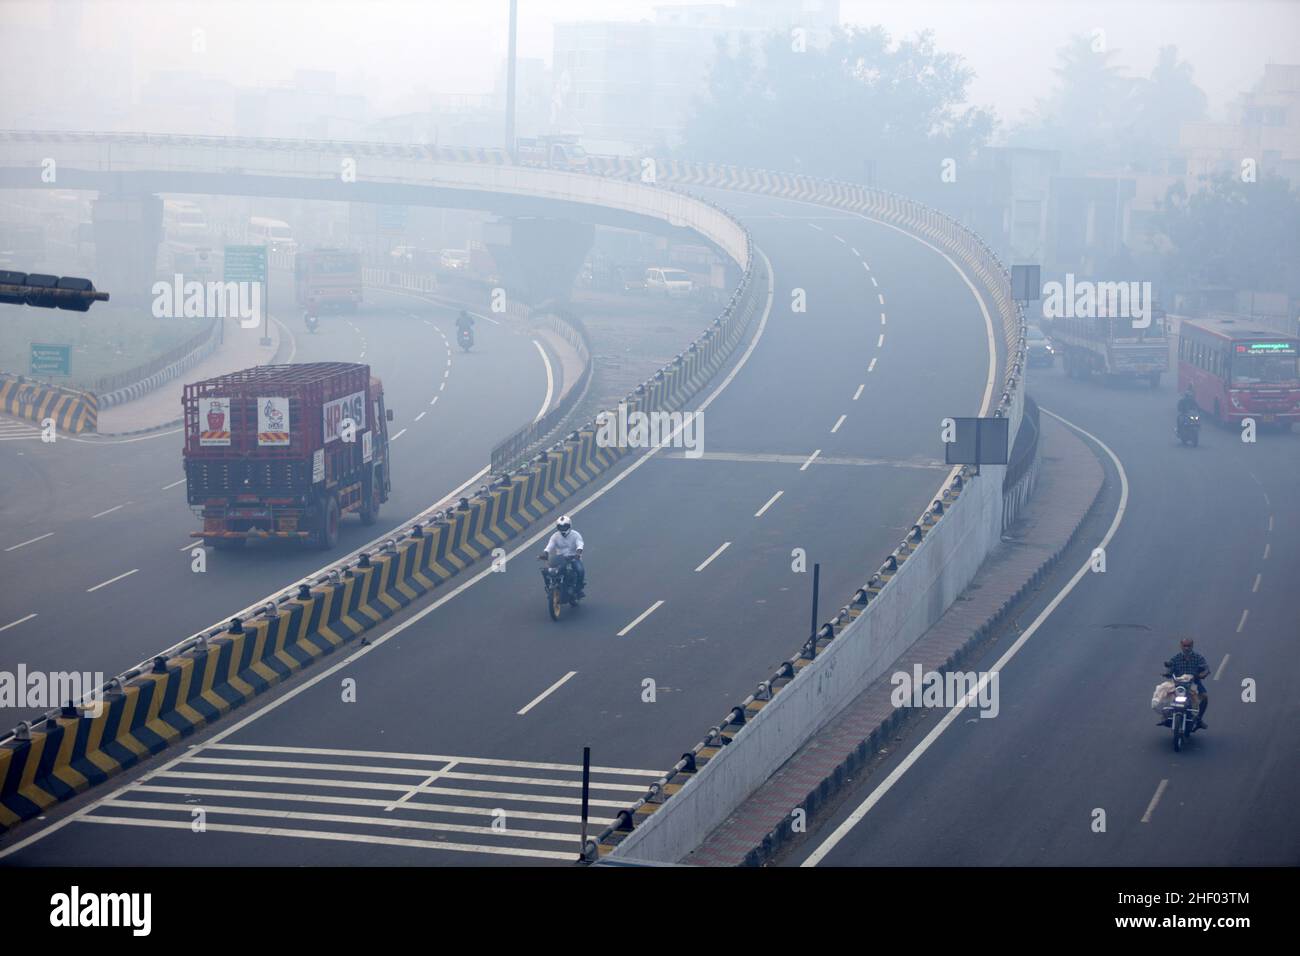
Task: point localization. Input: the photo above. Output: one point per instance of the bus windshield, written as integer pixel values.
(1265, 369)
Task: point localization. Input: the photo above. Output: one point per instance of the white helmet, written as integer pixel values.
(564, 524)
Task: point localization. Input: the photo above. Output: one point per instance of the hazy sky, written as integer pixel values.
(390, 49)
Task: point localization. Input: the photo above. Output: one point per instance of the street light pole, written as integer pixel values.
(510, 81)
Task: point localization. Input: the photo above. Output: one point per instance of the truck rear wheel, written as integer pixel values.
(327, 538)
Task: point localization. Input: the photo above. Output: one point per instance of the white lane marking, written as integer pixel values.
(17, 622)
(855, 251)
(446, 372)
(817, 227)
(1151, 807)
(442, 385)
(880, 341)
(1267, 548)
(310, 816)
(173, 485)
(427, 322)
(23, 544)
(1254, 588)
(362, 355)
(881, 297)
(105, 584)
(424, 758)
(640, 617)
(426, 782)
(707, 561)
(1242, 623)
(770, 501)
(1270, 522)
(872, 366)
(398, 435)
(811, 459)
(840, 239)
(109, 511)
(434, 400)
(882, 318)
(865, 266)
(196, 543)
(887, 784)
(550, 381)
(874, 283)
(836, 426)
(421, 415)
(546, 693)
(858, 393)
(338, 837)
(421, 807)
(448, 361)
(84, 812)
(1222, 664)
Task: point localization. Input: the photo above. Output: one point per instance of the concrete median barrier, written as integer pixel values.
(74, 412)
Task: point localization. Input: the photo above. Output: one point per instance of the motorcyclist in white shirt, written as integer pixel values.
(565, 543)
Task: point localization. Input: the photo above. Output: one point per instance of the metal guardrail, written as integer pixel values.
(111, 383)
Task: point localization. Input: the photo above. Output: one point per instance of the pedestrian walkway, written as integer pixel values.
(471, 805)
(1070, 480)
(161, 408)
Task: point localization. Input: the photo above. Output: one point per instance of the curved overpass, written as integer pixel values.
(821, 464)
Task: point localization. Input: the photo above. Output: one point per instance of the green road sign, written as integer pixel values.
(51, 359)
(245, 264)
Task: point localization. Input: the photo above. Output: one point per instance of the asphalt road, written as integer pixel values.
(463, 741)
(1208, 546)
(95, 550)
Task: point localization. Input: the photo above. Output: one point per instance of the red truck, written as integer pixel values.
(283, 451)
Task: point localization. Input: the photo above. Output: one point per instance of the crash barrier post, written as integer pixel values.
(169, 696)
(74, 412)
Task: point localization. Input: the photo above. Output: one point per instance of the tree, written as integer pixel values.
(860, 100)
(1164, 102)
(1244, 236)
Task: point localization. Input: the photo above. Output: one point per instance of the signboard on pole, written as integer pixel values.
(245, 264)
(51, 359)
(978, 441)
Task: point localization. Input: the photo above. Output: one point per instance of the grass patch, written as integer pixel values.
(104, 341)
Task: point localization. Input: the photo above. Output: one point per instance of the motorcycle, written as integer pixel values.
(1181, 709)
(1188, 429)
(312, 323)
(561, 587)
(466, 338)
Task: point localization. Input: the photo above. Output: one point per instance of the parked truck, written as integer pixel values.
(284, 451)
(1111, 346)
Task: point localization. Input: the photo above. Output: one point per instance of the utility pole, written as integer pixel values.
(510, 81)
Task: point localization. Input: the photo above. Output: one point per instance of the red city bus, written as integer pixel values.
(1236, 370)
(328, 279)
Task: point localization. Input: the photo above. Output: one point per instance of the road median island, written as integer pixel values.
(154, 705)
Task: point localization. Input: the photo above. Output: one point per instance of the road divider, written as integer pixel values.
(73, 411)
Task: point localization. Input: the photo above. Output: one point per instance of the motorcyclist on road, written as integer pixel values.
(464, 322)
(1187, 661)
(566, 543)
(1187, 404)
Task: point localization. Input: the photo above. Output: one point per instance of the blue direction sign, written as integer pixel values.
(51, 359)
(245, 264)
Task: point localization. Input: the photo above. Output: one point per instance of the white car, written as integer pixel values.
(668, 282)
(455, 259)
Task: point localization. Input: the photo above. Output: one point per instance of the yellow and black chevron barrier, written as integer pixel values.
(73, 412)
(146, 712)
